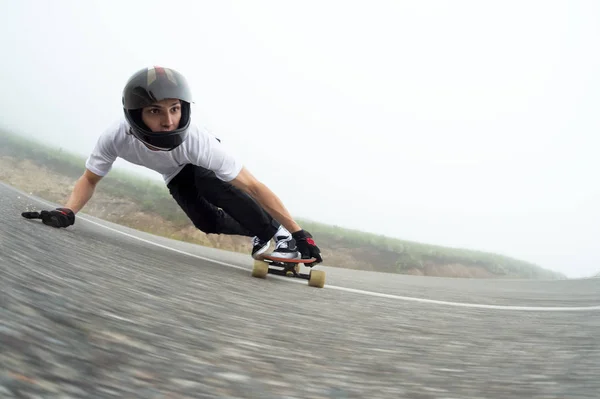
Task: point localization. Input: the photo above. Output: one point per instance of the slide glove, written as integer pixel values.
(59, 217)
(307, 247)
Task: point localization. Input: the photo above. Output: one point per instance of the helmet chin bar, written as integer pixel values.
(153, 148)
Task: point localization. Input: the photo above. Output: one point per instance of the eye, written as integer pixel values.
(176, 109)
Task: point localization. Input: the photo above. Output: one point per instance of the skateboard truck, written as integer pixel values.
(289, 268)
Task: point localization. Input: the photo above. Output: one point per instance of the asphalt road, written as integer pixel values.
(102, 311)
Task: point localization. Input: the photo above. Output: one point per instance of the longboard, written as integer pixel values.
(289, 268)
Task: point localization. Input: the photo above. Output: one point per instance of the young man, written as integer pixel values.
(213, 188)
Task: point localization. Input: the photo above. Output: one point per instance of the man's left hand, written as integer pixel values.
(306, 246)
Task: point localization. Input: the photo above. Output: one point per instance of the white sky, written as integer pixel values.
(461, 123)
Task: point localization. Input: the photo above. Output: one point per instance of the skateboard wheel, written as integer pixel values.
(316, 278)
(260, 269)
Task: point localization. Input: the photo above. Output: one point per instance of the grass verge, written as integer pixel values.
(341, 246)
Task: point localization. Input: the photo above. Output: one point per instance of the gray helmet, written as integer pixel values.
(148, 86)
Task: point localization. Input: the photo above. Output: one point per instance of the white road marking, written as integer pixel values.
(353, 290)
(363, 292)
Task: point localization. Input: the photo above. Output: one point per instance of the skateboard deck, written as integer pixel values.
(289, 268)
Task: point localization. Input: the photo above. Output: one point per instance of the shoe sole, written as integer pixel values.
(285, 255)
(261, 251)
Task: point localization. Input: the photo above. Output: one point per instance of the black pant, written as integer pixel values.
(200, 193)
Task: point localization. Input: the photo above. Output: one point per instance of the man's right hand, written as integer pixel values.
(59, 217)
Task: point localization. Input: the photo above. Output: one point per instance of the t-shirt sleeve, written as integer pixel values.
(104, 154)
(207, 151)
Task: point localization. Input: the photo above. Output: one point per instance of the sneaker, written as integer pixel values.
(259, 247)
(285, 247)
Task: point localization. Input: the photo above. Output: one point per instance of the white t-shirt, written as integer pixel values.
(200, 148)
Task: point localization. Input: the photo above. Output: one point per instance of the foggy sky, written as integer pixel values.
(465, 123)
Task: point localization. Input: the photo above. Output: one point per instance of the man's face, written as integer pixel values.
(162, 116)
